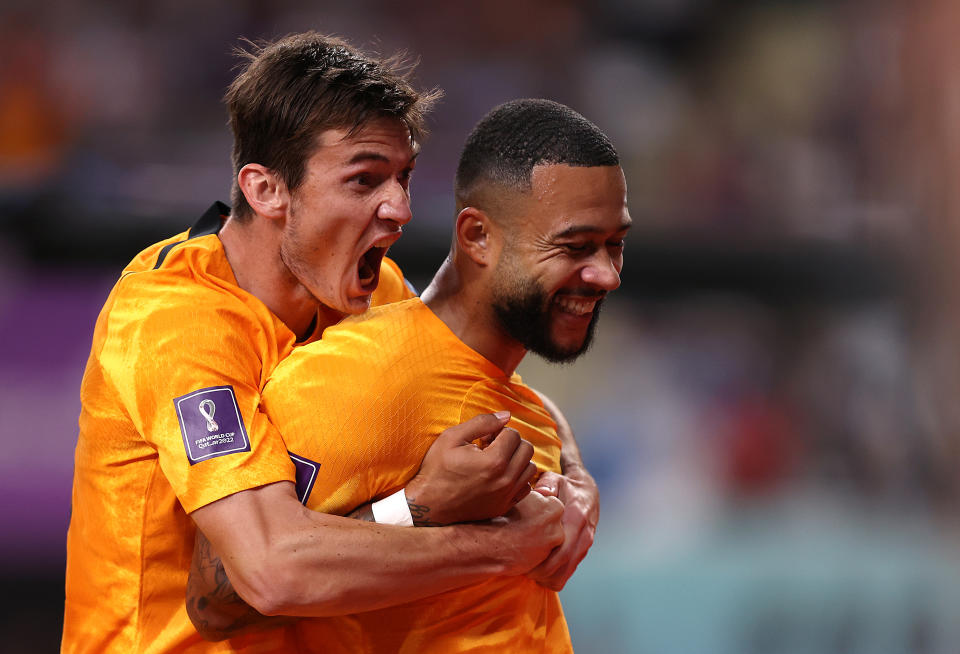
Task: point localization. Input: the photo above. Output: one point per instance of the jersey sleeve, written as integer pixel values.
(189, 367)
(527, 415)
(393, 286)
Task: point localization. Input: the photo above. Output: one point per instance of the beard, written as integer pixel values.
(524, 312)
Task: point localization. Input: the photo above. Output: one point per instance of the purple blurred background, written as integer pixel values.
(769, 407)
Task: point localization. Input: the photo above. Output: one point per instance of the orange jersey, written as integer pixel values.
(169, 422)
(358, 410)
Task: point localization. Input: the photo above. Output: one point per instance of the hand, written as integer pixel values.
(581, 511)
(460, 482)
(530, 531)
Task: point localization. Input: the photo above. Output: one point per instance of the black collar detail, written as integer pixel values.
(209, 223)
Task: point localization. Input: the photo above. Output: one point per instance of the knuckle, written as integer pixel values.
(496, 467)
(510, 436)
(526, 448)
(529, 471)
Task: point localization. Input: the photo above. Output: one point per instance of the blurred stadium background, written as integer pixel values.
(770, 405)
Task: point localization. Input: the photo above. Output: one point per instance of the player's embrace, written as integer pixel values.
(538, 243)
(173, 437)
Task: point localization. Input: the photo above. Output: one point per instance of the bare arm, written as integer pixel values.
(578, 491)
(285, 559)
(474, 484)
(214, 607)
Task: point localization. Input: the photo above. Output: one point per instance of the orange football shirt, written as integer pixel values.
(170, 421)
(358, 410)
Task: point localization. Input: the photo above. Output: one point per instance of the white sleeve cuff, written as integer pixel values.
(393, 510)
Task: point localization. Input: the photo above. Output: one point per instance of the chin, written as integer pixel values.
(357, 306)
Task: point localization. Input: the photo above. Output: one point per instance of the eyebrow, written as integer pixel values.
(590, 229)
(375, 156)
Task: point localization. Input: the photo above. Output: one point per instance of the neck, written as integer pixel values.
(464, 305)
(253, 251)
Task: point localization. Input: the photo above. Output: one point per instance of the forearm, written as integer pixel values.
(284, 559)
(215, 608)
(332, 568)
(578, 491)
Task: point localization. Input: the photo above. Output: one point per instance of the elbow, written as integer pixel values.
(276, 590)
(279, 590)
(272, 602)
(209, 626)
(268, 591)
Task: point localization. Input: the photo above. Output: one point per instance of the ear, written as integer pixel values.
(477, 236)
(265, 192)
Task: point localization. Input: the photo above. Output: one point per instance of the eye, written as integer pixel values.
(616, 245)
(362, 179)
(576, 247)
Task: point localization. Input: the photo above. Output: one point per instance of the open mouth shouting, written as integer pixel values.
(368, 268)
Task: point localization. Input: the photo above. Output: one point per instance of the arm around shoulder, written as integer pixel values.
(284, 559)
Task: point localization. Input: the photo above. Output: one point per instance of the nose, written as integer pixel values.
(602, 271)
(395, 205)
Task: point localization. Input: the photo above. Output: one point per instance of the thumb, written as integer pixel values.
(483, 427)
(547, 484)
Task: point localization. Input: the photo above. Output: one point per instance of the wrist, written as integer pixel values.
(574, 469)
(425, 511)
(484, 544)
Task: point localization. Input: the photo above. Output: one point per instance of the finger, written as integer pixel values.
(518, 470)
(482, 426)
(549, 567)
(562, 574)
(522, 485)
(520, 494)
(538, 574)
(548, 484)
(554, 509)
(504, 445)
(578, 538)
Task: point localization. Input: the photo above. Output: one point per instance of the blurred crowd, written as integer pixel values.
(785, 326)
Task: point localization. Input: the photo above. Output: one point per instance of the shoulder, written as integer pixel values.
(184, 301)
(395, 323)
(494, 393)
(393, 286)
(393, 346)
(375, 339)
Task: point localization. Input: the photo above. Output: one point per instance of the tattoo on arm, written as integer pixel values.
(420, 512)
(215, 608)
(363, 512)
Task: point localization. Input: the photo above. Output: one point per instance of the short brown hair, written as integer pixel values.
(291, 90)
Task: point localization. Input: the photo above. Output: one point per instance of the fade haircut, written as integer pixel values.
(291, 90)
(516, 136)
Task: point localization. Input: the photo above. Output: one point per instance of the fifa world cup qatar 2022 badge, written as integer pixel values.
(210, 423)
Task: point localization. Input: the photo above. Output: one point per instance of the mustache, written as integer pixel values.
(585, 293)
